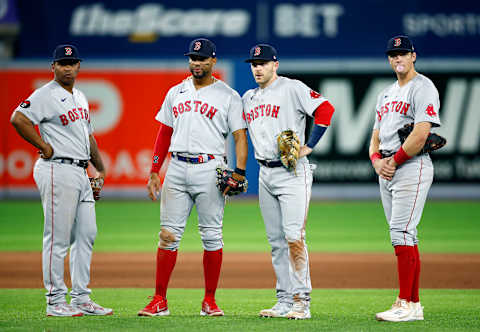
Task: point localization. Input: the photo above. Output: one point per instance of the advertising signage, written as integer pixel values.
(133, 29)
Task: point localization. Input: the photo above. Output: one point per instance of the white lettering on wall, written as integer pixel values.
(152, 18)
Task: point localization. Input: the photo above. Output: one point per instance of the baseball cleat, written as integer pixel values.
(300, 310)
(417, 311)
(210, 308)
(62, 310)
(280, 309)
(401, 311)
(92, 309)
(156, 307)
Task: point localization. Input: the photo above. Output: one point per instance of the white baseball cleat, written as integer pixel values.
(401, 311)
(280, 309)
(300, 310)
(91, 308)
(62, 310)
(417, 311)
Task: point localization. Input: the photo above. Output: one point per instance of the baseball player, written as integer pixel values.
(405, 175)
(278, 104)
(195, 119)
(65, 144)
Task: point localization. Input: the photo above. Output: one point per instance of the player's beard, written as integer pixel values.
(198, 75)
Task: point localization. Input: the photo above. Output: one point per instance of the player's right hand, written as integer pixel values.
(153, 186)
(384, 169)
(46, 152)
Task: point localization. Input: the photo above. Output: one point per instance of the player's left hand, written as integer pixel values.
(304, 151)
(97, 185)
(230, 183)
(384, 168)
(46, 152)
(236, 176)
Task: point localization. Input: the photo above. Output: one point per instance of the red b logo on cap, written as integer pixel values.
(257, 51)
(397, 42)
(68, 51)
(197, 46)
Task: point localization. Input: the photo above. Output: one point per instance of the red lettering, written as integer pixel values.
(175, 113)
(187, 106)
(81, 112)
(87, 115)
(262, 107)
(393, 105)
(256, 112)
(251, 115)
(64, 119)
(211, 112)
(249, 119)
(76, 114)
(204, 108)
(275, 111)
(196, 102)
(180, 108)
(399, 106)
(386, 107)
(268, 109)
(379, 115)
(405, 108)
(71, 116)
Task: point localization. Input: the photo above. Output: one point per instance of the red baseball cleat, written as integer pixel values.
(157, 307)
(210, 308)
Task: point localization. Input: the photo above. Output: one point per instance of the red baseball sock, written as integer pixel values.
(166, 260)
(212, 262)
(416, 279)
(406, 270)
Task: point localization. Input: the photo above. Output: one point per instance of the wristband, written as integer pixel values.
(239, 171)
(375, 156)
(401, 156)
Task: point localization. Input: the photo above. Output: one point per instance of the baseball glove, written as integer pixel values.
(433, 142)
(228, 178)
(97, 185)
(289, 147)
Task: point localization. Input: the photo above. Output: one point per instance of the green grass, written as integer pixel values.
(332, 310)
(446, 227)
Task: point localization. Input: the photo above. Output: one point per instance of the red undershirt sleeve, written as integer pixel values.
(324, 113)
(162, 143)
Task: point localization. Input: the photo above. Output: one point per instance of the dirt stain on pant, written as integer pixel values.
(297, 254)
(166, 238)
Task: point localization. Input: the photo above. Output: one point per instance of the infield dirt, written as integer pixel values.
(251, 270)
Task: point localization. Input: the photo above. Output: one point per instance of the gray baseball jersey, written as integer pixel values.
(215, 109)
(62, 118)
(282, 105)
(68, 205)
(416, 101)
(284, 197)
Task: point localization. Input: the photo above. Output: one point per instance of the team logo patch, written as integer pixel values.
(430, 110)
(397, 42)
(197, 46)
(68, 51)
(25, 104)
(257, 51)
(314, 94)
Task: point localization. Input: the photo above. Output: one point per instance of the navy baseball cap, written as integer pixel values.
(400, 43)
(202, 47)
(64, 52)
(262, 52)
